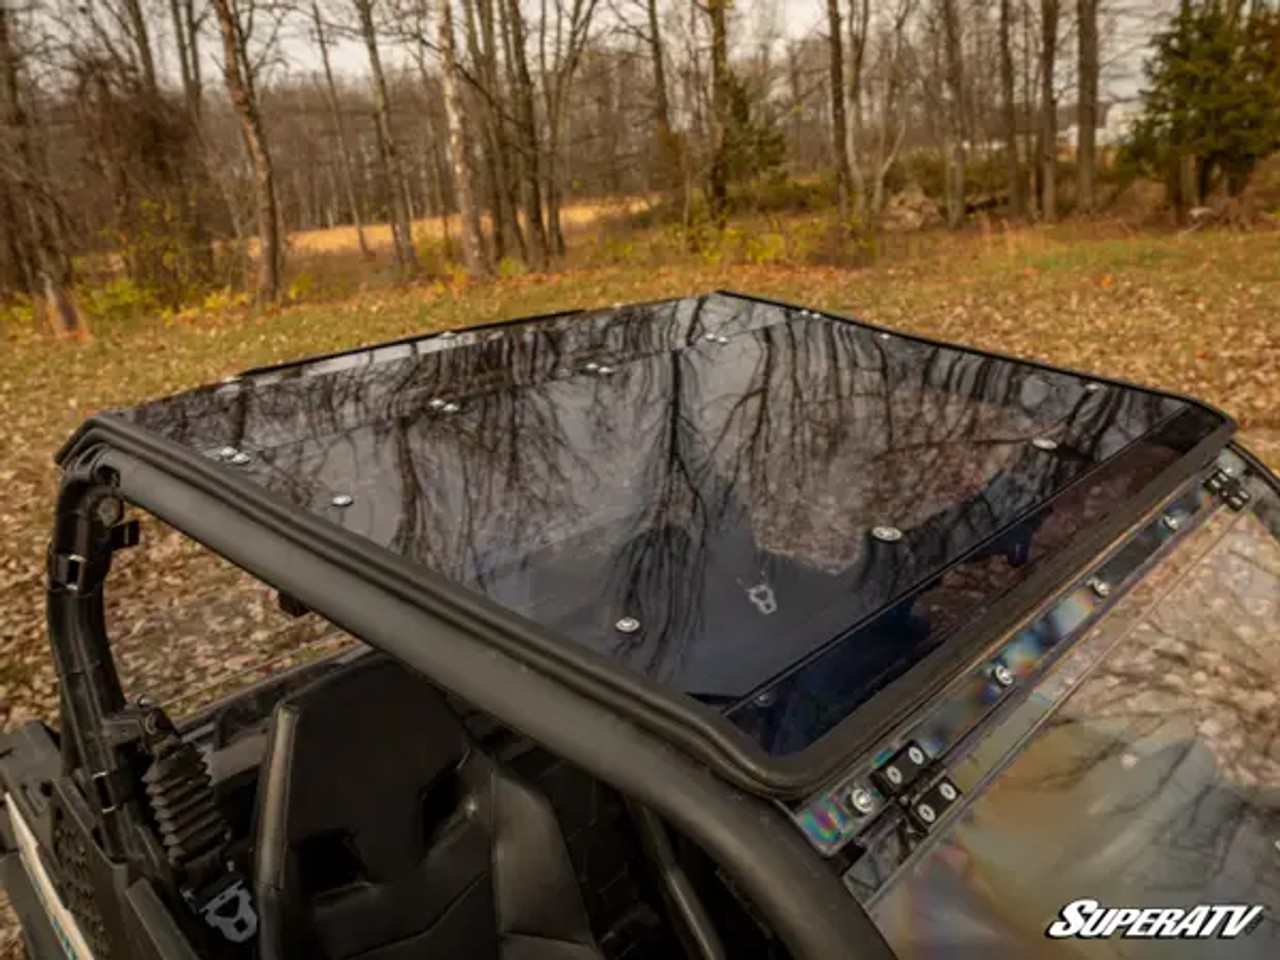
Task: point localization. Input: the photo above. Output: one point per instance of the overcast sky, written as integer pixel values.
(1127, 38)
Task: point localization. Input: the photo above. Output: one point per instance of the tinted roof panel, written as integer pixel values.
(714, 469)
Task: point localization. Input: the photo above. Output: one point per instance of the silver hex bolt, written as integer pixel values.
(343, 500)
(1002, 675)
(926, 813)
(709, 337)
(591, 366)
(450, 407)
(436, 403)
(1092, 387)
(1044, 443)
(240, 458)
(947, 791)
(893, 775)
(916, 755)
(226, 453)
(627, 625)
(861, 800)
(886, 534)
(766, 699)
(606, 371)
(1100, 588)
(1172, 522)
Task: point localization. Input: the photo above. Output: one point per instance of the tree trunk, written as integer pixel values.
(527, 135)
(1087, 110)
(718, 189)
(239, 81)
(141, 43)
(340, 131)
(839, 128)
(1049, 10)
(1009, 110)
(953, 149)
(42, 261)
(401, 227)
(473, 249)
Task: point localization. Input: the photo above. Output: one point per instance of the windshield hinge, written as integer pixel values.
(1230, 489)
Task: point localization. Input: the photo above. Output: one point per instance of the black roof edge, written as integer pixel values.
(695, 729)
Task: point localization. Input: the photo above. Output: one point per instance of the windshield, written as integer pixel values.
(712, 492)
(1156, 784)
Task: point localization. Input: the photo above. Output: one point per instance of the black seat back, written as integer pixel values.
(384, 832)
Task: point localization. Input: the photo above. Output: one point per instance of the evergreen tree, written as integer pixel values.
(1214, 98)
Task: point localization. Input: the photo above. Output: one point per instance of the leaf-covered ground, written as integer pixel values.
(1198, 314)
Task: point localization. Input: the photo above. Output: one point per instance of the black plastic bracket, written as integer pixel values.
(895, 777)
(928, 806)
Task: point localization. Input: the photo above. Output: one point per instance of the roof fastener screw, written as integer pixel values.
(1044, 443)
(591, 367)
(915, 755)
(627, 625)
(885, 336)
(1100, 588)
(766, 699)
(722, 340)
(861, 801)
(893, 775)
(435, 403)
(709, 337)
(240, 458)
(343, 500)
(233, 378)
(226, 453)
(947, 791)
(887, 534)
(1002, 675)
(1092, 387)
(448, 334)
(605, 371)
(1172, 522)
(450, 407)
(926, 813)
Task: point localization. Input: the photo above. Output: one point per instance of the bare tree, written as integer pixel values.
(526, 134)
(718, 184)
(401, 226)
(839, 127)
(1009, 112)
(186, 35)
(339, 129)
(473, 249)
(953, 152)
(1049, 12)
(237, 73)
(1087, 104)
(37, 259)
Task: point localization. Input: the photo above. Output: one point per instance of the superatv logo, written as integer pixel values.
(1087, 919)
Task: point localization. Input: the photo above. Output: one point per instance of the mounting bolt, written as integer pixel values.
(627, 625)
(343, 500)
(722, 340)
(947, 791)
(1100, 588)
(1092, 387)
(1044, 443)
(885, 336)
(450, 407)
(893, 775)
(915, 755)
(435, 403)
(926, 813)
(605, 371)
(886, 534)
(766, 699)
(226, 453)
(1172, 522)
(1002, 675)
(861, 801)
(709, 337)
(591, 366)
(240, 458)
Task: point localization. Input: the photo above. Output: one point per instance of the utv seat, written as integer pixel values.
(384, 833)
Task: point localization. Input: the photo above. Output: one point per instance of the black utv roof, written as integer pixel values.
(786, 515)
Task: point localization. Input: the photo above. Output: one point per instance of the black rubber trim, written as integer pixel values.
(696, 729)
(748, 837)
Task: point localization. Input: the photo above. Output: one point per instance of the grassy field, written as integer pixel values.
(1198, 314)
